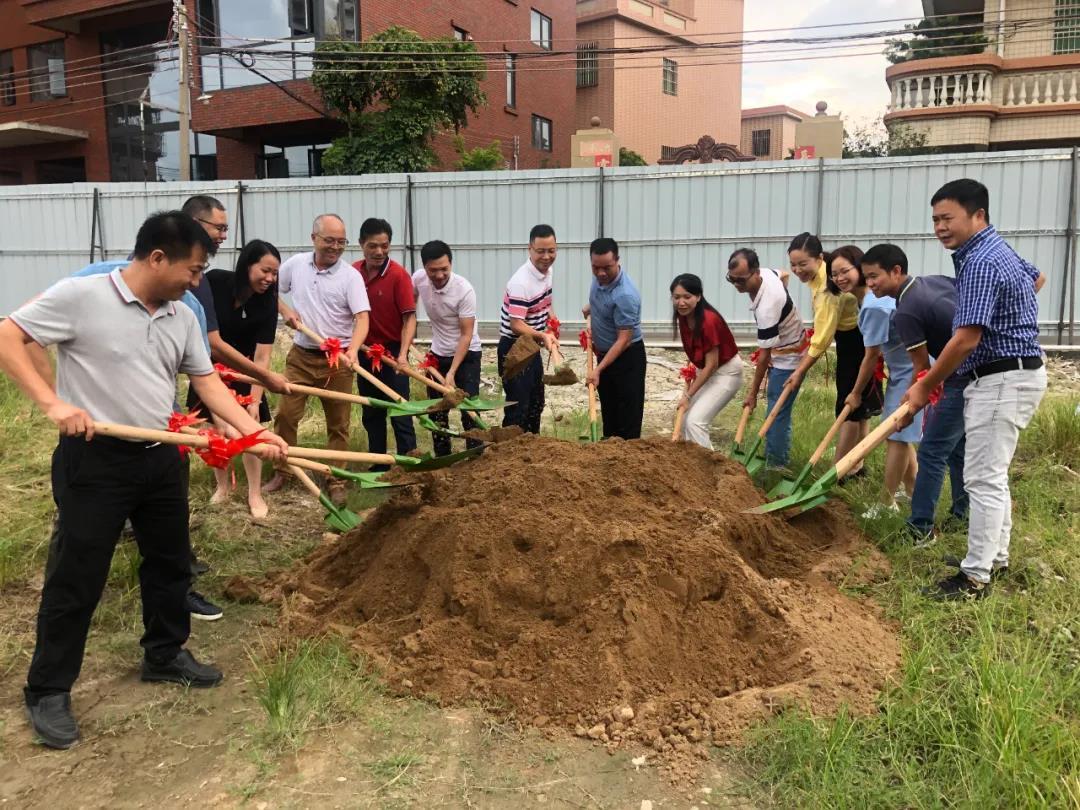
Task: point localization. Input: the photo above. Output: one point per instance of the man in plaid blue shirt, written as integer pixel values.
(996, 343)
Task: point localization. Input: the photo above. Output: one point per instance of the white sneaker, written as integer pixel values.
(880, 510)
(902, 495)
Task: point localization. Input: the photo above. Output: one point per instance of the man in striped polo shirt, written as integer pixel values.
(525, 310)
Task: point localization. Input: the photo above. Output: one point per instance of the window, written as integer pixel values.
(511, 80)
(337, 20)
(46, 70)
(290, 161)
(1067, 26)
(7, 78)
(760, 142)
(588, 65)
(541, 30)
(460, 34)
(301, 17)
(541, 133)
(204, 167)
(671, 77)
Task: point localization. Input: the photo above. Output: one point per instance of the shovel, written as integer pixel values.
(433, 373)
(594, 425)
(452, 397)
(736, 447)
(680, 415)
(366, 480)
(323, 393)
(786, 487)
(563, 374)
(337, 518)
(818, 492)
(752, 460)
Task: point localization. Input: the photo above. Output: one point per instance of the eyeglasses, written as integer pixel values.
(331, 242)
(221, 229)
(737, 279)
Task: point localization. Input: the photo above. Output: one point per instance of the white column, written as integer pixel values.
(1072, 88)
(1010, 82)
(969, 90)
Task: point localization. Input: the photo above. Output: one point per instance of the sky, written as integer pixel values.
(853, 86)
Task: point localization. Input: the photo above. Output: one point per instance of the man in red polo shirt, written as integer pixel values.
(393, 324)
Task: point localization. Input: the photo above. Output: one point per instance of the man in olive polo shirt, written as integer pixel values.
(121, 339)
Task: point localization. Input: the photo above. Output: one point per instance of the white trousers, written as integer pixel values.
(717, 392)
(996, 409)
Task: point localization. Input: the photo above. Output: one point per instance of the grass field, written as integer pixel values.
(985, 711)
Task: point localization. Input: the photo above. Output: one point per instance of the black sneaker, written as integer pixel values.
(53, 722)
(920, 537)
(996, 571)
(184, 670)
(956, 588)
(202, 608)
(198, 567)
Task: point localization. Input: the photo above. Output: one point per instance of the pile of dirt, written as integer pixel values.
(616, 590)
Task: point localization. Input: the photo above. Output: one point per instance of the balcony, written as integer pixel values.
(67, 15)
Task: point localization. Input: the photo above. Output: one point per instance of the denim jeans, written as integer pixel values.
(941, 448)
(778, 439)
(996, 409)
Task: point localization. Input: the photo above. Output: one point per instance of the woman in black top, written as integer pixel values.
(245, 302)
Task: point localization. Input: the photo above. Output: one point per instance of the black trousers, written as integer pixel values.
(97, 486)
(622, 393)
(526, 389)
(467, 378)
(374, 419)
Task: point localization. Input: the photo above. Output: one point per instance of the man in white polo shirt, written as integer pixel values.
(121, 340)
(328, 296)
(450, 304)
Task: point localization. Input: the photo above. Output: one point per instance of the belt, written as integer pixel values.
(1006, 364)
(314, 351)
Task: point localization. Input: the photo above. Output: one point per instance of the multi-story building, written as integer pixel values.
(1021, 91)
(88, 91)
(768, 133)
(659, 90)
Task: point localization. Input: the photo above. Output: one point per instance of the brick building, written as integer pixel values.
(86, 93)
(768, 133)
(668, 95)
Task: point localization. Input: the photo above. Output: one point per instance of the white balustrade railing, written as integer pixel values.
(1050, 87)
(948, 89)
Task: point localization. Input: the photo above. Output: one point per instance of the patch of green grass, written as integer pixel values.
(312, 684)
(567, 425)
(985, 710)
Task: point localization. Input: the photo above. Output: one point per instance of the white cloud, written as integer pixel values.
(853, 86)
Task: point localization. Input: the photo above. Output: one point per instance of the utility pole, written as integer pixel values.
(181, 27)
(517, 150)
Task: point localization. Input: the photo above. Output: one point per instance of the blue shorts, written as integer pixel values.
(894, 392)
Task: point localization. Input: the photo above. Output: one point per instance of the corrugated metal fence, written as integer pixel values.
(667, 219)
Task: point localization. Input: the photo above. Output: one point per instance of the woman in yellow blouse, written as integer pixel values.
(836, 316)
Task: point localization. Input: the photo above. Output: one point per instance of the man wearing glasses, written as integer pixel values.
(328, 296)
(780, 338)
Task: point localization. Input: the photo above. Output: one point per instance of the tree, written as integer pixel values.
(394, 92)
(874, 140)
(939, 36)
(628, 157)
(481, 159)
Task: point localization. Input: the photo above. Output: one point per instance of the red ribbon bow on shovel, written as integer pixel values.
(429, 361)
(554, 325)
(583, 339)
(934, 397)
(332, 348)
(221, 450)
(243, 400)
(376, 352)
(179, 421)
(755, 356)
(227, 374)
(879, 370)
(688, 373)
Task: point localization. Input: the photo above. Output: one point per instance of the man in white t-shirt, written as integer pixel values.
(328, 296)
(781, 344)
(450, 303)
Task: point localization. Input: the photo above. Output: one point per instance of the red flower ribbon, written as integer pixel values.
(332, 347)
(429, 361)
(755, 356)
(221, 450)
(243, 399)
(179, 421)
(688, 373)
(879, 370)
(808, 335)
(227, 374)
(935, 396)
(583, 339)
(376, 352)
(554, 325)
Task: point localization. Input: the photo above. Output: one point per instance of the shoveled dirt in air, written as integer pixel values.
(525, 348)
(615, 590)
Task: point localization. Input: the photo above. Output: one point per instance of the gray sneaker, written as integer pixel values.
(52, 721)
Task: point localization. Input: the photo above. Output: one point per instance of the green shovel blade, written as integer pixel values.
(788, 487)
(481, 404)
(338, 517)
(438, 462)
(814, 495)
(751, 453)
(366, 480)
(415, 407)
(594, 432)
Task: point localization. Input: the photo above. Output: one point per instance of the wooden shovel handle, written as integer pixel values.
(775, 412)
(305, 479)
(167, 437)
(680, 415)
(556, 355)
(589, 361)
(310, 390)
(432, 372)
(876, 437)
(744, 420)
(367, 375)
(830, 435)
(414, 373)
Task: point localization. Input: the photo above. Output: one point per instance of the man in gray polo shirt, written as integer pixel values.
(121, 341)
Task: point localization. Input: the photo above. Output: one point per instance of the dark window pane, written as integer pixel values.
(7, 78)
(761, 142)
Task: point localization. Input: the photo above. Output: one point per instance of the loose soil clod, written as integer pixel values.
(563, 375)
(494, 434)
(525, 348)
(616, 590)
(452, 399)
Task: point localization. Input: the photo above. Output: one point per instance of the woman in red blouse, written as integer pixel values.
(710, 346)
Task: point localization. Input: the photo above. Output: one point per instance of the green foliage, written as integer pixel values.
(481, 159)
(939, 36)
(394, 92)
(873, 140)
(628, 157)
